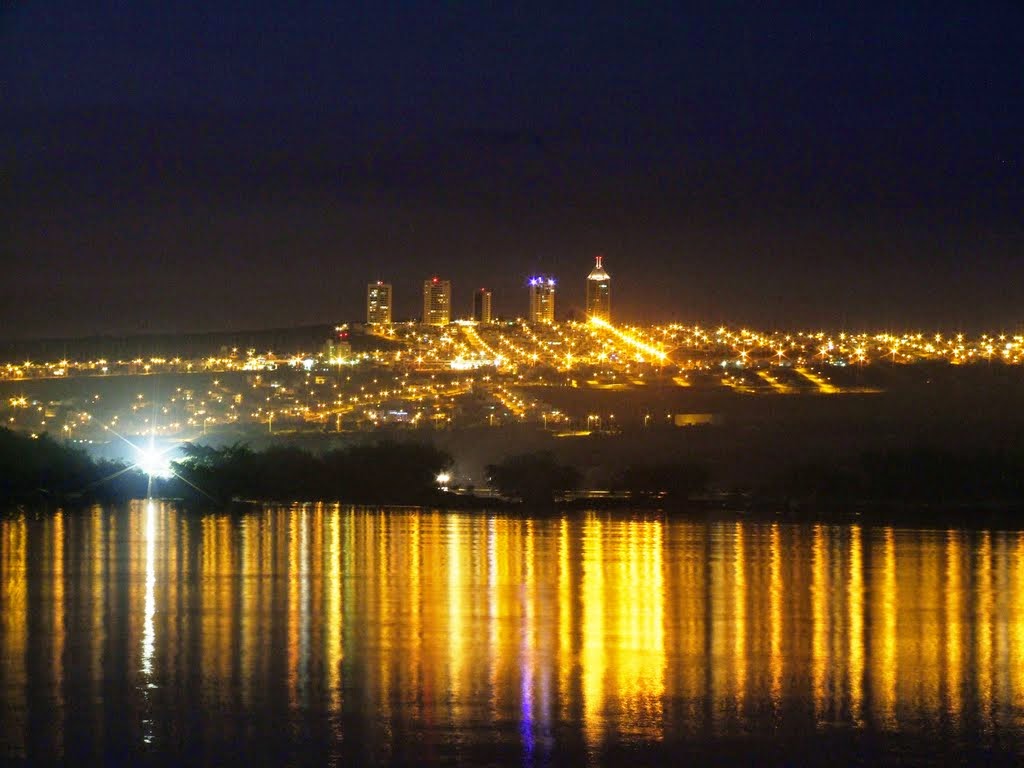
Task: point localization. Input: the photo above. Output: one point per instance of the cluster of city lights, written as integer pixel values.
(486, 373)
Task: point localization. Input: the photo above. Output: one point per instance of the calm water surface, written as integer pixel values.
(327, 635)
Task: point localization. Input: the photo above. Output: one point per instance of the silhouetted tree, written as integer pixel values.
(379, 473)
(536, 478)
(677, 481)
(922, 474)
(40, 469)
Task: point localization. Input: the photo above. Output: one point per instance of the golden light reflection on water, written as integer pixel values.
(983, 626)
(952, 636)
(1017, 627)
(93, 545)
(821, 599)
(884, 673)
(566, 603)
(688, 622)
(456, 628)
(775, 597)
(739, 617)
(14, 625)
(58, 611)
(594, 657)
(855, 645)
(332, 614)
(634, 629)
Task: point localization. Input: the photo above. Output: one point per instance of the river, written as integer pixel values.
(319, 634)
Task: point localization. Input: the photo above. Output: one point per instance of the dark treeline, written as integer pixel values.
(674, 482)
(41, 470)
(379, 473)
(538, 478)
(919, 475)
(534, 478)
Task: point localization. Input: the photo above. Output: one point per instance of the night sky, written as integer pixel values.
(185, 166)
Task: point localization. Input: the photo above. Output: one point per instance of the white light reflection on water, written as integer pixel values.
(149, 631)
(149, 614)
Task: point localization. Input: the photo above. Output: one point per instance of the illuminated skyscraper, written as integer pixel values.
(378, 303)
(482, 306)
(437, 301)
(542, 299)
(599, 293)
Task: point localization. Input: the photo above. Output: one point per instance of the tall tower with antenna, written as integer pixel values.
(599, 292)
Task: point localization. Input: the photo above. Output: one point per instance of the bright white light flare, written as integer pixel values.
(154, 463)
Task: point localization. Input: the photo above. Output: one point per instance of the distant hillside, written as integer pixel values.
(190, 345)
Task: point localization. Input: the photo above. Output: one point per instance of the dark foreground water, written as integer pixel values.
(326, 635)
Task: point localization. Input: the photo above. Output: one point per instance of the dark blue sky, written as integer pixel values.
(184, 166)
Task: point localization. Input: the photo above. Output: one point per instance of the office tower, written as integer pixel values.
(378, 303)
(599, 293)
(482, 306)
(437, 301)
(542, 299)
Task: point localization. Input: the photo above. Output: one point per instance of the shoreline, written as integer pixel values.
(1007, 515)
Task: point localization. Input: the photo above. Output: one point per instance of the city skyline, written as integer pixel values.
(437, 301)
(511, 384)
